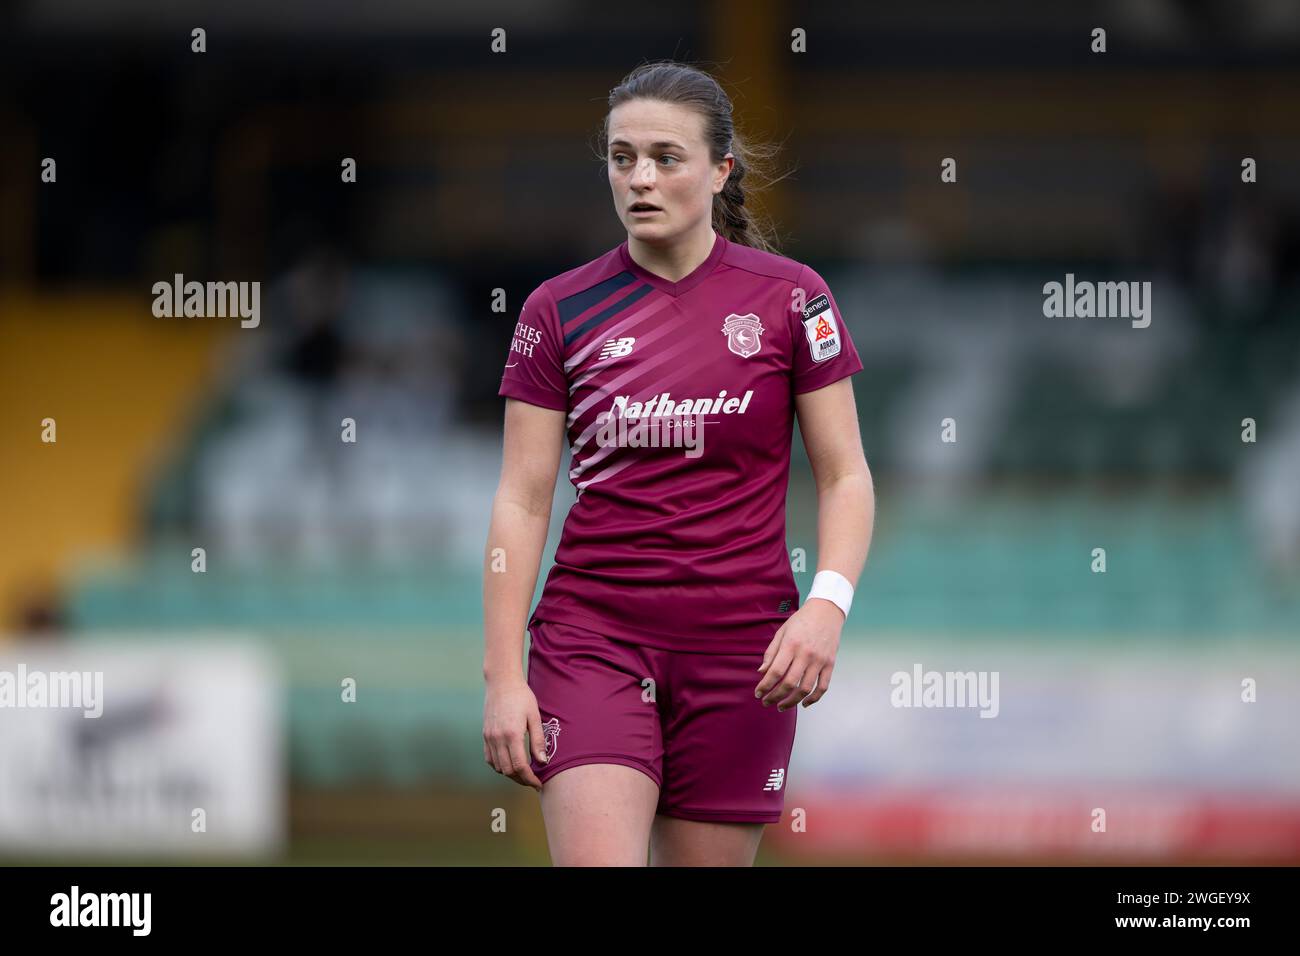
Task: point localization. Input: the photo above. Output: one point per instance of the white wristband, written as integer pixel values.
(834, 587)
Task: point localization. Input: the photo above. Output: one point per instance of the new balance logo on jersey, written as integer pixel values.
(616, 348)
(776, 779)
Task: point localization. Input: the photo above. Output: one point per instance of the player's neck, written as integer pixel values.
(677, 261)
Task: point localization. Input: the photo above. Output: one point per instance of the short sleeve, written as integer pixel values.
(534, 371)
(823, 350)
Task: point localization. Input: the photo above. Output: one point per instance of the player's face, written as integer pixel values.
(657, 155)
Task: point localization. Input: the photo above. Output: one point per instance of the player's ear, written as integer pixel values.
(726, 168)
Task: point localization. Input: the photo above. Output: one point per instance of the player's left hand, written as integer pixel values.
(798, 663)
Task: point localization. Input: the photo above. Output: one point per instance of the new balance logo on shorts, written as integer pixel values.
(776, 779)
(616, 348)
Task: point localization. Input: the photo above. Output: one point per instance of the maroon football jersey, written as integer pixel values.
(680, 409)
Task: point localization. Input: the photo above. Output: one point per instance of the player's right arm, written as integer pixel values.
(521, 513)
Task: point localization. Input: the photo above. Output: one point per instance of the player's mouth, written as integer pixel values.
(643, 209)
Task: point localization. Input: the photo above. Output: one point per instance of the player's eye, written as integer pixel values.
(621, 159)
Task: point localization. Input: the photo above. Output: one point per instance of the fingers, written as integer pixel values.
(536, 738)
(785, 677)
(793, 678)
(501, 756)
(794, 669)
(787, 684)
(823, 684)
(775, 671)
(523, 771)
(510, 758)
(802, 687)
(772, 648)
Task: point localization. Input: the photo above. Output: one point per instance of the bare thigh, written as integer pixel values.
(599, 814)
(678, 842)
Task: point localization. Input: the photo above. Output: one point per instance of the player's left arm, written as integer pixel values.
(799, 661)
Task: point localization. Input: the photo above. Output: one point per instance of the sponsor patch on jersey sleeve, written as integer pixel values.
(822, 330)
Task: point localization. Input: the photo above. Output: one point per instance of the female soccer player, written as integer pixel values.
(669, 648)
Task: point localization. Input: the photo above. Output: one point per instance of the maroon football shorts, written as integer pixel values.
(689, 721)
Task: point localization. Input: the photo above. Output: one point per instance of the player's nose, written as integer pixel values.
(645, 172)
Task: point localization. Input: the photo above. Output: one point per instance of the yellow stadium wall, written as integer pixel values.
(121, 386)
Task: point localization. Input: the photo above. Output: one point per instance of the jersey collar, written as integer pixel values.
(687, 282)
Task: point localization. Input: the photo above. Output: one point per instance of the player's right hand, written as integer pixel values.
(511, 722)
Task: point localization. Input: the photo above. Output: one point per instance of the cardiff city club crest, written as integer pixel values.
(551, 730)
(742, 332)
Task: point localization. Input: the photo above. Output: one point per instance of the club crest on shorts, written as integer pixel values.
(551, 731)
(743, 334)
